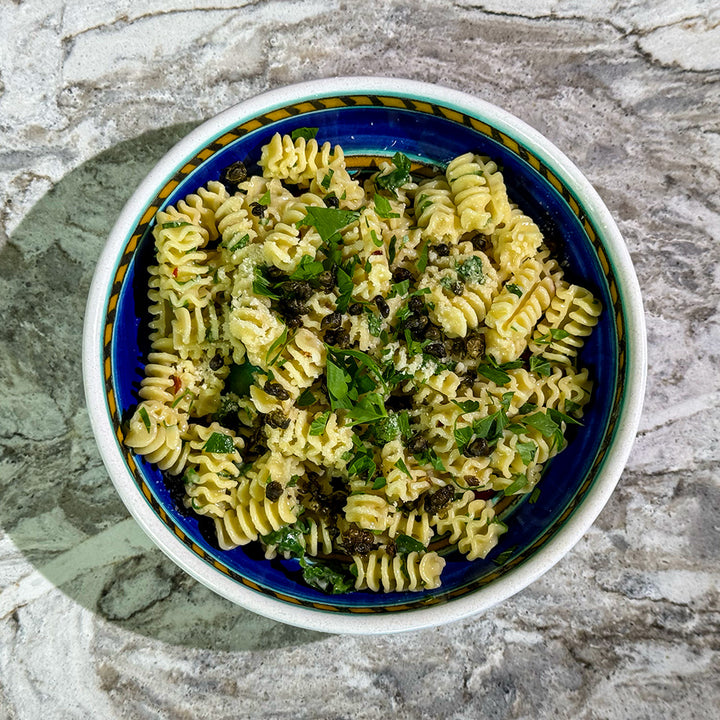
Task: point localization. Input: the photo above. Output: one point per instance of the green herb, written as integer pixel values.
(472, 270)
(400, 465)
(328, 578)
(377, 242)
(240, 244)
(319, 423)
(554, 334)
(265, 199)
(463, 436)
(173, 224)
(362, 463)
(395, 178)
(514, 289)
(447, 282)
(278, 344)
(379, 483)
(559, 417)
(503, 557)
(306, 398)
(547, 426)
(423, 257)
(571, 406)
(534, 495)
(328, 221)
(526, 451)
(528, 407)
(288, 539)
(363, 359)
(179, 398)
(337, 381)
(506, 400)
(467, 406)
(392, 249)
(374, 322)
(219, 443)
(325, 183)
(430, 457)
(405, 544)
(191, 477)
(495, 372)
(307, 133)
(345, 286)
(261, 285)
(367, 409)
(383, 207)
(540, 365)
(400, 289)
(387, 429)
(241, 377)
(517, 484)
(142, 412)
(307, 269)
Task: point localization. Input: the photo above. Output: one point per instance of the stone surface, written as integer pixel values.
(96, 623)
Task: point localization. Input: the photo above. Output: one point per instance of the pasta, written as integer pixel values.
(358, 371)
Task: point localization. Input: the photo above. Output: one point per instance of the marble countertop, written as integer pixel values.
(95, 622)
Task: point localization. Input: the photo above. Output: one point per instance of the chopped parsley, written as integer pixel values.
(219, 443)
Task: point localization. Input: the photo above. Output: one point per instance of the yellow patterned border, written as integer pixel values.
(363, 101)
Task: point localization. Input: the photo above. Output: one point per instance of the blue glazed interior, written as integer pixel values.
(435, 140)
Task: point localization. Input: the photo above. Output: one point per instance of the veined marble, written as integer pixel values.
(95, 622)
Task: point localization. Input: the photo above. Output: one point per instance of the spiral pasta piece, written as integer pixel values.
(414, 572)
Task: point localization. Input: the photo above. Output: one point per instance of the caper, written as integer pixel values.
(442, 250)
(477, 448)
(400, 274)
(416, 304)
(331, 321)
(355, 309)
(417, 444)
(276, 419)
(438, 500)
(235, 173)
(217, 362)
(332, 201)
(273, 491)
(475, 346)
(433, 332)
(382, 306)
(276, 390)
(436, 349)
(257, 209)
(326, 280)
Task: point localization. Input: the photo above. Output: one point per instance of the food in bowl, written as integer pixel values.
(362, 370)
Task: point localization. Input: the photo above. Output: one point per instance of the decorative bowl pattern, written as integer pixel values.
(373, 118)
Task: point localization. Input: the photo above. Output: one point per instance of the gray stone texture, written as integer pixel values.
(95, 622)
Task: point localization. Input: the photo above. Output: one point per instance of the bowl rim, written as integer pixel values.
(514, 580)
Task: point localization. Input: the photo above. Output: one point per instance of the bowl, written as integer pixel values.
(375, 118)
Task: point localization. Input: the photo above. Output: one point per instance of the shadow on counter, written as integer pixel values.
(59, 506)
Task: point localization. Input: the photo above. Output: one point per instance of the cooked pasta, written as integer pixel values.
(358, 370)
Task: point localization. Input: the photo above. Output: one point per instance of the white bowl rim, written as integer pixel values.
(347, 622)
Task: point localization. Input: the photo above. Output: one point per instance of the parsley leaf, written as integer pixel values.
(308, 133)
(517, 484)
(306, 399)
(395, 178)
(326, 577)
(261, 285)
(288, 539)
(142, 412)
(307, 269)
(219, 443)
(405, 544)
(423, 257)
(514, 289)
(526, 451)
(472, 270)
(383, 207)
(328, 221)
(540, 365)
(319, 423)
(241, 377)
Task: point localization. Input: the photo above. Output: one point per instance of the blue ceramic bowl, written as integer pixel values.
(378, 117)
